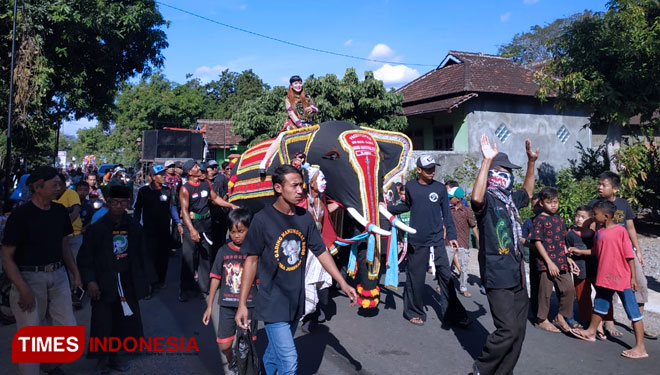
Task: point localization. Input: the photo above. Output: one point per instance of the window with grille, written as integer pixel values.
(502, 133)
(563, 134)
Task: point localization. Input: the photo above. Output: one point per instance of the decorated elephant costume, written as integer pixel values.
(357, 162)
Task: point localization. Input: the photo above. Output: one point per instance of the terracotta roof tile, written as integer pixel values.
(214, 133)
(474, 72)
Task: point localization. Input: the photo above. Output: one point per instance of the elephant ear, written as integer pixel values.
(293, 141)
(396, 149)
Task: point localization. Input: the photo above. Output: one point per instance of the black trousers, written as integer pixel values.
(108, 318)
(159, 249)
(196, 258)
(509, 309)
(452, 309)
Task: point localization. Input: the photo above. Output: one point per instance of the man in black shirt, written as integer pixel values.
(500, 255)
(155, 208)
(117, 272)
(195, 197)
(427, 201)
(279, 238)
(218, 214)
(34, 252)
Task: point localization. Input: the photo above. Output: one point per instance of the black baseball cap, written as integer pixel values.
(43, 173)
(188, 165)
(502, 160)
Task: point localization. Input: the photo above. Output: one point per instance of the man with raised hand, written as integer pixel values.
(496, 206)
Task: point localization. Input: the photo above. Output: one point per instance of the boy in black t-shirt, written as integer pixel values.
(226, 276)
(549, 236)
(279, 238)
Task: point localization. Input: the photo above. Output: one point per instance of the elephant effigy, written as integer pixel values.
(357, 162)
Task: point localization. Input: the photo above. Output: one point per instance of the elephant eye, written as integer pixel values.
(333, 154)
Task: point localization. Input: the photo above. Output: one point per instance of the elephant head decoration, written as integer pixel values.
(357, 163)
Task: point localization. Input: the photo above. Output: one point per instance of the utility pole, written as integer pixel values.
(8, 163)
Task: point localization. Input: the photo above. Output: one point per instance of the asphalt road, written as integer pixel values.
(352, 343)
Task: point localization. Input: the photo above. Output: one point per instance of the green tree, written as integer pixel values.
(71, 59)
(364, 103)
(533, 45)
(226, 95)
(608, 63)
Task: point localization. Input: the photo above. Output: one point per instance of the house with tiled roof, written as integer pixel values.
(470, 94)
(220, 139)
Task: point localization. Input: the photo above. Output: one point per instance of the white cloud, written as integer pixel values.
(530, 2)
(505, 17)
(348, 42)
(393, 75)
(207, 73)
(381, 51)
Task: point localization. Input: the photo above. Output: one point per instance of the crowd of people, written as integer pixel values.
(78, 233)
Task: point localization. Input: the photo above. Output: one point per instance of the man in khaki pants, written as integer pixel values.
(34, 254)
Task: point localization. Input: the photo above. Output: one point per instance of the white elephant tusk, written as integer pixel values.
(360, 219)
(399, 224)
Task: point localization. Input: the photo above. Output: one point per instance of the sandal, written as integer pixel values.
(632, 355)
(601, 336)
(650, 334)
(578, 333)
(573, 323)
(465, 293)
(611, 331)
(417, 321)
(547, 326)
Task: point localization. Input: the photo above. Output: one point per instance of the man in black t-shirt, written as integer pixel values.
(496, 206)
(195, 197)
(428, 203)
(279, 238)
(34, 254)
(155, 208)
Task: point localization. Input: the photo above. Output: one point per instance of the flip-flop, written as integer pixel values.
(601, 336)
(579, 335)
(560, 327)
(466, 294)
(629, 355)
(417, 321)
(613, 332)
(650, 335)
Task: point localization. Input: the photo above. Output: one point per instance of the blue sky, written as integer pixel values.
(401, 32)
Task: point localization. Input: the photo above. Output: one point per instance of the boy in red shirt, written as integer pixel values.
(616, 273)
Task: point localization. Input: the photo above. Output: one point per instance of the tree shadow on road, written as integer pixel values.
(473, 337)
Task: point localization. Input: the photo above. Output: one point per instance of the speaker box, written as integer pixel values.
(172, 144)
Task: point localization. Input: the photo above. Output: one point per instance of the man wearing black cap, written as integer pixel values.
(195, 196)
(117, 272)
(496, 206)
(155, 208)
(427, 201)
(34, 253)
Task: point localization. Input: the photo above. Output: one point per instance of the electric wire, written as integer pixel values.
(287, 42)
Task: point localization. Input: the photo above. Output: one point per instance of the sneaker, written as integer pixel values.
(482, 290)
